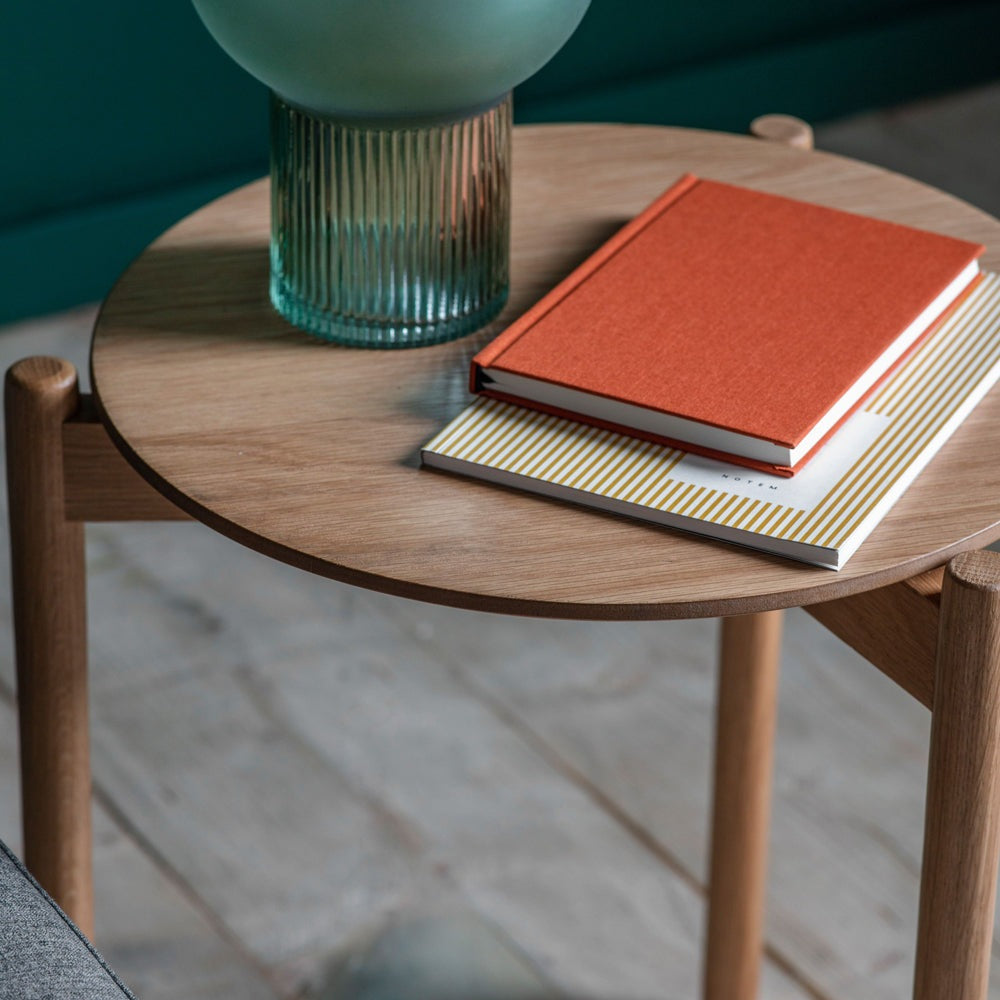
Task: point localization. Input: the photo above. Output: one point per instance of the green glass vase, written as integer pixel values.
(390, 154)
(389, 236)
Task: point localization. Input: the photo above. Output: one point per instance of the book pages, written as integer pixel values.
(820, 516)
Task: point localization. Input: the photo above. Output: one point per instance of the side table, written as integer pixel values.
(308, 453)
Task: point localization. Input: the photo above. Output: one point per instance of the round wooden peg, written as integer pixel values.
(976, 570)
(783, 128)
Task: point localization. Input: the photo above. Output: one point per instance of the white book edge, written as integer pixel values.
(681, 429)
(919, 463)
(815, 554)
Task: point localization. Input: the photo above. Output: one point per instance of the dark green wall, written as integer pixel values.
(119, 118)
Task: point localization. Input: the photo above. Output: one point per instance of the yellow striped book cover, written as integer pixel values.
(820, 516)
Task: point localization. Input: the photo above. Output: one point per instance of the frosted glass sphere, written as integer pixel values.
(391, 57)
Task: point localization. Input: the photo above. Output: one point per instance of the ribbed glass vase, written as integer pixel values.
(386, 235)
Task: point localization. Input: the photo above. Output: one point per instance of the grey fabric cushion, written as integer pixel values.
(43, 956)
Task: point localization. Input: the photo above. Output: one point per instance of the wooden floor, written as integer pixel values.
(285, 767)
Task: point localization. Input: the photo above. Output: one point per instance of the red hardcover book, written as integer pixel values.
(730, 322)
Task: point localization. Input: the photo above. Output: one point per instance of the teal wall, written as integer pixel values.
(119, 118)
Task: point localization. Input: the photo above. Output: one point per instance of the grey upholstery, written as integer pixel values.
(43, 956)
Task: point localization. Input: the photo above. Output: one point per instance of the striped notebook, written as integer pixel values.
(820, 516)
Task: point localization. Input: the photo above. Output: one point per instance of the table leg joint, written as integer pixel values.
(100, 484)
(895, 628)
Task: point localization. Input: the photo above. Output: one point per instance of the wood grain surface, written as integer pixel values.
(962, 827)
(49, 597)
(746, 715)
(309, 453)
(99, 484)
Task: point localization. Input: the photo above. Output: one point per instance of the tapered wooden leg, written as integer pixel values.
(962, 825)
(49, 584)
(744, 752)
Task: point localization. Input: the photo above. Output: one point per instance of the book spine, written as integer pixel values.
(489, 354)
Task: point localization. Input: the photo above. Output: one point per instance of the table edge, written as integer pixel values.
(837, 587)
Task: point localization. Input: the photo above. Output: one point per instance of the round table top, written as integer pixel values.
(309, 452)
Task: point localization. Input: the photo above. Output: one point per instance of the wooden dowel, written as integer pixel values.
(49, 598)
(785, 129)
(746, 713)
(744, 753)
(962, 823)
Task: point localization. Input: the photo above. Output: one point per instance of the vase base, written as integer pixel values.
(389, 235)
(387, 335)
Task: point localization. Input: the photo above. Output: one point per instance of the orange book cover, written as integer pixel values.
(751, 323)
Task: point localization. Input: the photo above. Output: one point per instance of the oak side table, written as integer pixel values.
(308, 453)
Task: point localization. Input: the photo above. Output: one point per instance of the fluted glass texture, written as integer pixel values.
(389, 236)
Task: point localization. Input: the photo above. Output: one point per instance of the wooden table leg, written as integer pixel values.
(962, 825)
(49, 595)
(744, 751)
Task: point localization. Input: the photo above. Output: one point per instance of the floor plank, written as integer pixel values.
(633, 717)
(326, 744)
(161, 944)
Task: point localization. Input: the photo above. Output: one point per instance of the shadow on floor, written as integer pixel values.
(454, 957)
